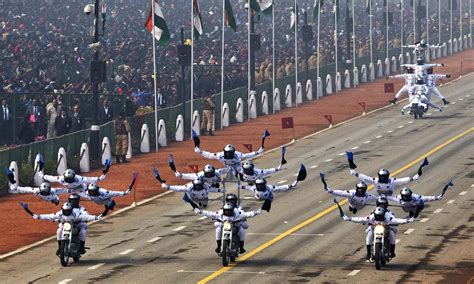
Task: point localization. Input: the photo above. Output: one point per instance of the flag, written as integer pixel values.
(316, 8)
(367, 6)
(197, 21)
(160, 30)
(266, 6)
(229, 16)
(294, 17)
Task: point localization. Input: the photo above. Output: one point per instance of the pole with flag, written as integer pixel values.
(296, 52)
(402, 42)
(370, 28)
(460, 23)
(427, 24)
(249, 78)
(414, 20)
(336, 9)
(353, 37)
(386, 27)
(192, 66)
(317, 13)
(154, 80)
(273, 58)
(439, 21)
(451, 21)
(222, 58)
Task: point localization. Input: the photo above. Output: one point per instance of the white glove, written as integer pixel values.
(98, 218)
(102, 177)
(258, 212)
(126, 192)
(197, 211)
(36, 217)
(353, 172)
(260, 151)
(165, 186)
(411, 220)
(280, 166)
(439, 197)
(415, 177)
(293, 184)
(178, 174)
(197, 150)
(345, 218)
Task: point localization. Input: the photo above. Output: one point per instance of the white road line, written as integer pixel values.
(472, 185)
(355, 148)
(390, 131)
(282, 181)
(295, 175)
(409, 231)
(378, 136)
(126, 251)
(246, 198)
(438, 210)
(467, 96)
(202, 218)
(400, 126)
(314, 167)
(277, 234)
(463, 193)
(210, 271)
(367, 142)
(64, 281)
(453, 103)
(430, 113)
(450, 201)
(156, 239)
(410, 122)
(354, 272)
(179, 228)
(341, 154)
(424, 220)
(397, 241)
(328, 160)
(446, 106)
(461, 99)
(95, 266)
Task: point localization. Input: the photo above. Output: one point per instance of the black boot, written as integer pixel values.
(82, 247)
(117, 159)
(352, 209)
(241, 247)
(210, 132)
(392, 251)
(59, 247)
(369, 252)
(446, 102)
(124, 159)
(393, 101)
(218, 249)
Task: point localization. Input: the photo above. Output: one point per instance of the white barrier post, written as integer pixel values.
(328, 84)
(355, 76)
(470, 40)
(309, 90)
(276, 100)
(253, 105)
(445, 49)
(450, 47)
(264, 103)
(394, 64)
(62, 161)
(14, 168)
(319, 88)
(414, 57)
(239, 110)
(464, 42)
(401, 61)
(145, 139)
(371, 71)
(288, 94)
(428, 55)
(162, 141)
(387, 66)
(84, 163)
(363, 71)
(379, 69)
(455, 45)
(439, 51)
(106, 150)
(338, 82)
(408, 58)
(460, 44)
(196, 122)
(347, 79)
(225, 115)
(37, 179)
(433, 53)
(129, 149)
(179, 134)
(299, 94)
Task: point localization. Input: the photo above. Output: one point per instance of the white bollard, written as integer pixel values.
(338, 82)
(196, 122)
(428, 56)
(14, 168)
(394, 64)
(106, 150)
(433, 53)
(62, 161)
(371, 71)
(460, 44)
(387, 66)
(299, 93)
(445, 49)
(276, 100)
(464, 42)
(288, 94)
(355, 76)
(319, 88)
(179, 134)
(264, 102)
(400, 61)
(414, 57)
(328, 84)
(37, 179)
(363, 76)
(450, 47)
(145, 139)
(84, 163)
(408, 58)
(225, 115)
(309, 90)
(239, 110)
(129, 149)
(379, 69)
(162, 141)
(455, 45)
(253, 105)
(470, 40)
(347, 79)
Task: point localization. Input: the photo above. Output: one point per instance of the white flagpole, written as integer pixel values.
(402, 42)
(192, 68)
(460, 22)
(154, 72)
(470, 23)
(222, 61)
(335, 34)
(317, 68)
(414, 21)
(439, 21)
(386, 28)
(249, 88)
(427, 25)
(353, 37)
(370, 28)
(273, 56)
(296, 53)
(451, 22)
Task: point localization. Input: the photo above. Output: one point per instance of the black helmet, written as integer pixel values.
(423, 43)
(429, 70)
(361, 188)
(45, 189)
(383, 174)
(74, 199)
(379, 214)
(229, 151)
(232, 198)
(410, 70)
(198, 184)
(406, 193)
(248, 167)
(67, 209)
(69, 176)
(93, 189)
(420, 81)
(382, 202)
(420, 61)
(261, 184)
(228, 209)
(209, 171)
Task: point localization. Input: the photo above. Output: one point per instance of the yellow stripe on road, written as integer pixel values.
(327, 210)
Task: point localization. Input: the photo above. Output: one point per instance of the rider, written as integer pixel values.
(72, 181)
(357, 197)
(197, 191)
(421, 89)
(249, 173)
(409, 78)
(420, 47)
(412, 203)
(66, 214)
(44, 191)
(228, 213)
(384, 184)
(102, 196)
(264, 191)
(209, 174)
(75, 200)
(421, 67)
(378, 216)
(431, 85)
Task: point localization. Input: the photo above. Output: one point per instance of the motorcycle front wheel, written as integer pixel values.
(225, 253)
(64, 252)
(378, 256)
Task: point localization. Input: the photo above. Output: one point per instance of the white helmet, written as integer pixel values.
(45, 189)
(379, 214)
(229, 151)
(69, 176)
(209, 171)
(406, 194)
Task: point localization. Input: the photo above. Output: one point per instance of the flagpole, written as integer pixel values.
(249, 87)
(386, 27)
(414, 21)
(317, 67)
(192, 69)
(451, 22)
(370, 28)
(296, 53)
(402, 41)
(460, 23)
(439, 21)
(273, 57)
(427, 26)
(353, 37)
(222, 62)
(154, 73)
(335, 33)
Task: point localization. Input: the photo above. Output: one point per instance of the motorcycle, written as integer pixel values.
(230, 242)
(418, 107)
(380, 246)
(70, 243)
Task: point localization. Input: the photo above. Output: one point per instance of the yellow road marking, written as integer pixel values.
(327, 211)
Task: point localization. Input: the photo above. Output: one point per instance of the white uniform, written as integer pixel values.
(211, 181)
(409, 82)
(201, 197)
(269, 190)
(80, 182)
(233, 164)
(83, 224)
(415, 202)
(355, 201)
(104, 196)
(258, 173)
(419, 50)
(431, 84)
(53, 197)
(420, 70)
(384, 188)
(424, 91)
(76, 216)
(238, 217)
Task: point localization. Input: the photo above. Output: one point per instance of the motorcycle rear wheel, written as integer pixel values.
(64, 252)
(225, 253)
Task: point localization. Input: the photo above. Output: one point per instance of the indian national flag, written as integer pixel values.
(316, 7)
(160, 30)
(229, 16)
(197, 21)
(294, 17)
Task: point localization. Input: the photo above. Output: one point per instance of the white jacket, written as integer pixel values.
(384, 188)
(52, 197)
(355, 201)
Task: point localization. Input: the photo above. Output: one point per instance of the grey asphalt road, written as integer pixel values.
(163, 241)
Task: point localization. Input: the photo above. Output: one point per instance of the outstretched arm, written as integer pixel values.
(251, 154)
(251, 214)
(21, 189)
(405, 180)
(188, 176)
(363, 177)
(399, 221)
(177, 188)
(50, 217)
(358, 220)
(341, 193)
(90, 179)
(207, 155)
(208, 214)
(111, 193)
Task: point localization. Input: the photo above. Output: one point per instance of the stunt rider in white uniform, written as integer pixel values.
(421, 47)
(421, 68)
(44, 191)
(229, 157)
(103, 196)
(409, 82)
(72, 181)
(262, 191)
(250, 173)
(209, 174)
(431, 85)
(197, 191)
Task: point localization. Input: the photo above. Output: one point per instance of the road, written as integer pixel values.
(302, 239)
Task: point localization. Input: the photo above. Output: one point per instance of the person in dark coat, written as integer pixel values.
(106, 113)
(26, 132)
(63, 123)
(36, 115)
(77, 119)
(5, 122)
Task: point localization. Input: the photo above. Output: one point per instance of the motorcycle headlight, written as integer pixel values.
(67, 226)
(227, 226)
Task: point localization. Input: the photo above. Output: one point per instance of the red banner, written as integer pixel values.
(287, 122)
(194, 168)
(389, 88)
(248, 146)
